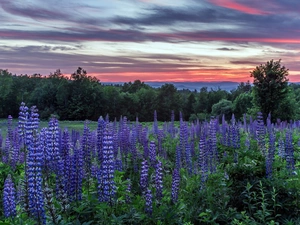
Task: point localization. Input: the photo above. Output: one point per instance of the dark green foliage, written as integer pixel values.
(270, 88)
(223, 107)
(81, 96)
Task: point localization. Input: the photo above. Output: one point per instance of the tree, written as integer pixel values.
(270, 88)
(223, 107)
(241, 104)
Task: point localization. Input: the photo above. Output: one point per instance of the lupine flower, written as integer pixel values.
(175, 185)
(49, 204)
(23, 116)
(188, 159)
(106, 184)
(9, 200)
(148, 205)
(183, 139)
(118, 163)
(203, 156)
(152, 153)
(158, 180)
(32, 125)
(260, 133)
(78, 163)
(53, 155)
(144, 176)
(34, 178)
(289, 150)
(270, 156)
(178, 158)
(281, 148)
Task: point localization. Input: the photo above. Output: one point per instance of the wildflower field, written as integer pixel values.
(125, 172)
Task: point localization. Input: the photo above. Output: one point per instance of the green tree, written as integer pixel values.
(223, 107)
(242, 104)
(270, 88)
(168, 99)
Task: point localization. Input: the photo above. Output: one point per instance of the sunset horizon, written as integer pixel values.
(150, 40)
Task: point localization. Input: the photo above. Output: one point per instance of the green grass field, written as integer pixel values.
(70, 125)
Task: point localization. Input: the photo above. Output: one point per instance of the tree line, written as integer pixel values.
(81, 97)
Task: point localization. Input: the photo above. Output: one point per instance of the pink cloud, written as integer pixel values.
(231, 4)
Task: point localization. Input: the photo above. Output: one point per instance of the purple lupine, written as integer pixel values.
(281, 148)
(213, 136)
(52, 144)
(223, 131)
(158, 180)
(203, 156)
(6, 151)
(119, 163)
(133, 150)
(171, 127)
(77, 173)
(34, 179)
(106, 184)
(188, 159)
(15, 151)
(152, 153)
(183, 138)
(86, 148)
(175, 185)
(270, 156)
(148, 204)
(32, 125)
(289, 151)
(9, 198)
(260, 133)
(23, 116)
(144, 179)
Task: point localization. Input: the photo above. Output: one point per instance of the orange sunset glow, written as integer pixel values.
(157, 41)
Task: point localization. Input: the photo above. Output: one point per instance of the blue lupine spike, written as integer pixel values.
(271, 155)
(289, 151)
(152, 153)
(175, 185)
(260, 133)
(281, 148)
(144, 179)
(106, 184)
(148, 205)
(159, 180)
(188, 159)
(9, 198)
(100, 131)
(34, 179)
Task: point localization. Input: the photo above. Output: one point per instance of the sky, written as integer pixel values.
(150, 40)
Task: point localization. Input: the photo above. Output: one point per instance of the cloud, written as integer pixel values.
(227, 49)
(231, 4)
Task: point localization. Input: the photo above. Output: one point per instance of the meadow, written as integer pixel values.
(126, 172)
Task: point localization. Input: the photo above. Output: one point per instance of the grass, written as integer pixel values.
(70, 125)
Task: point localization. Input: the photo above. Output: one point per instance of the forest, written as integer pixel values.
(80, 97)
